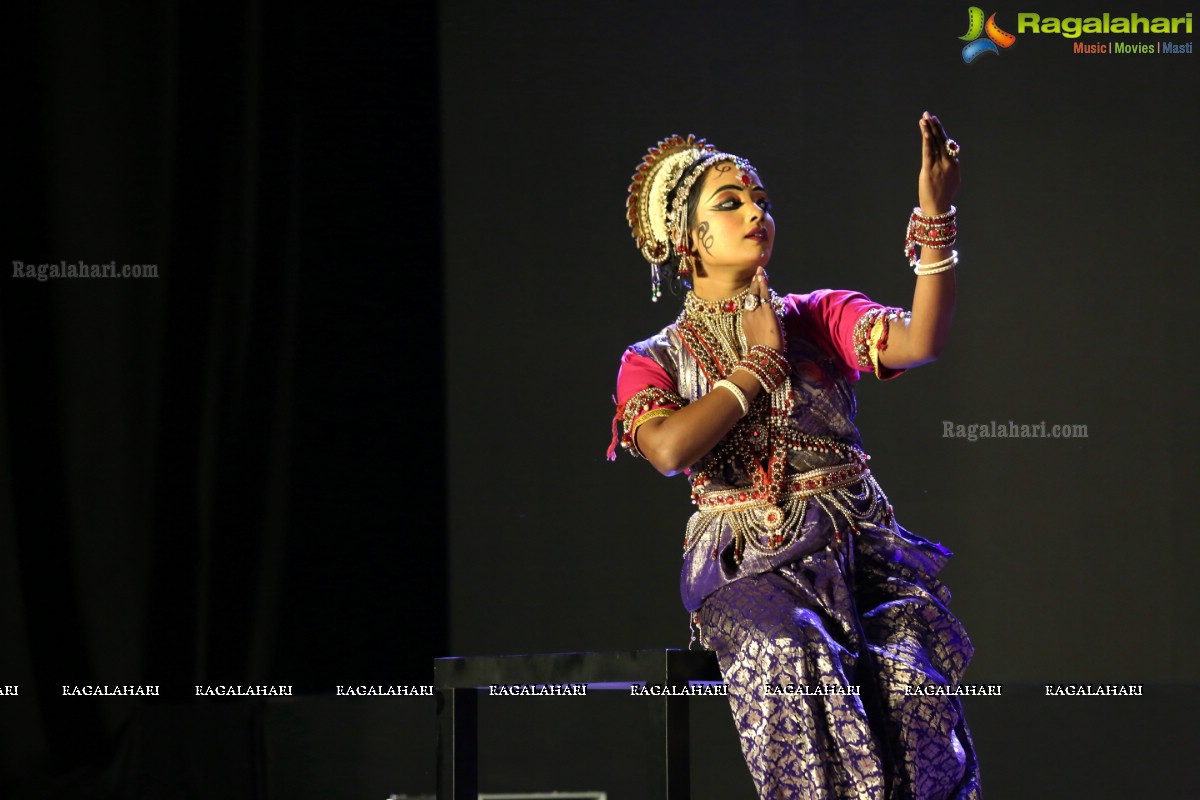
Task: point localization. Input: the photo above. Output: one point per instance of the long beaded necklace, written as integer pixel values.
(712, 331)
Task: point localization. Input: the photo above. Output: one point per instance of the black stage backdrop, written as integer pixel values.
(244, 471)
(231, 473)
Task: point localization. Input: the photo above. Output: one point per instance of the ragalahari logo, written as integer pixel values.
(995, 40)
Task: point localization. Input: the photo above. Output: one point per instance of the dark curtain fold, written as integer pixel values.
(231, 473)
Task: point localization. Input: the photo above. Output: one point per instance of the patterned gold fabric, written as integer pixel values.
(806, 625)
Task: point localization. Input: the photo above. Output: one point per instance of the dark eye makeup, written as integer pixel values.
(734, 203)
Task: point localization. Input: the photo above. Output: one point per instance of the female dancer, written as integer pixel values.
(830, 626)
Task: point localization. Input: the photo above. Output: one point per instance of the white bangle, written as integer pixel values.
(738, 394)
(937, 266)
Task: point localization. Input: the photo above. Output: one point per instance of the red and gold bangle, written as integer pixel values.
(762, 351)
(940, 231)
(769, 380)
(767, 365)
(757, 375)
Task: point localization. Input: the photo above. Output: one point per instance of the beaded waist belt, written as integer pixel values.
(796, 487)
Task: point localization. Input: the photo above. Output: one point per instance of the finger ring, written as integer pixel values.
(952, 148)
(751, 302)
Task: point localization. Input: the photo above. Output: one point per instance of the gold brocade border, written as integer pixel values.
(649, 415)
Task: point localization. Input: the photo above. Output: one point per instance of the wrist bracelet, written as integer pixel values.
(767, 378)
(736, 391)
(937, 266)
(939, 231)
(767, 364)
(758, 377)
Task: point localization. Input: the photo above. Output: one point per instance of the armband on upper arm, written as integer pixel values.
(870, 339)
(644, 406)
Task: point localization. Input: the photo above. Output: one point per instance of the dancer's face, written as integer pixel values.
(733, 228)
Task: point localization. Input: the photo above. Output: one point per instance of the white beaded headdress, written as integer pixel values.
(658, 220)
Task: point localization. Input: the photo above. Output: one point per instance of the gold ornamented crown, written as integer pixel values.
(657, 219)
(653, 181)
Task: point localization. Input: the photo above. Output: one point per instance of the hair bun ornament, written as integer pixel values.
(655, 178)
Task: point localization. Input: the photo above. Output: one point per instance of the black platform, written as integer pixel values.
(457, 682)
